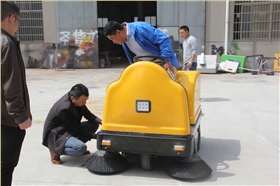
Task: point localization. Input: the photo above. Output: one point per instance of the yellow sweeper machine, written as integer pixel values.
(148, 113)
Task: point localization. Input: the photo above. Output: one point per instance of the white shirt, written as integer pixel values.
(189, 48)
(133, 45)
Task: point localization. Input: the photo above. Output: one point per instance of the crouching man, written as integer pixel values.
(64, 133)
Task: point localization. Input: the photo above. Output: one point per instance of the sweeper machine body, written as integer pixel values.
(148, 113)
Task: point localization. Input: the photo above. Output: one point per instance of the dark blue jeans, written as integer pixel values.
(193, 67)
(76, 146)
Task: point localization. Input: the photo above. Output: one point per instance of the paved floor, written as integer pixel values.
(240, 131)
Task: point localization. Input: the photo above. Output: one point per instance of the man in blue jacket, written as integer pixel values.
(141, 38)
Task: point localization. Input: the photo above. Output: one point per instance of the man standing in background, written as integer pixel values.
(15, 107)
(189, 49)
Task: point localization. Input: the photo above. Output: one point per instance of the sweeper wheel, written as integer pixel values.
(146, 161)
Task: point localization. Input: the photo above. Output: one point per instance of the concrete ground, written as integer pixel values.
(240, 131)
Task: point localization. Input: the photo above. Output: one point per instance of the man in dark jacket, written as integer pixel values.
(64, 133)
(15, 106)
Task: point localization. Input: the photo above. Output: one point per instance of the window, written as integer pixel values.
(151, 20)
(102, 22)
(31, 17)
(256, 21)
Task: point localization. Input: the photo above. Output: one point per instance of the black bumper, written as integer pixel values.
(161, 145)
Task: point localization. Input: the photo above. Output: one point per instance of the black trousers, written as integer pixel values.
(11, 142)
(91, 128)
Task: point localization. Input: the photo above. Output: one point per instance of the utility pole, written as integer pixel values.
(226, 28)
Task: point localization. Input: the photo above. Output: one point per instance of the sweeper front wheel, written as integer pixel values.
(146, 161)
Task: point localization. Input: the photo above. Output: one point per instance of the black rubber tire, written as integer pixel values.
(270, 73)
(146, 161)
(197, 141)
(254, 72)
(198, 138)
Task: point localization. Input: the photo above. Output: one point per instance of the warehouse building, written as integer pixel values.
(69, 34)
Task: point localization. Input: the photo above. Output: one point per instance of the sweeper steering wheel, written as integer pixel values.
(153, 58)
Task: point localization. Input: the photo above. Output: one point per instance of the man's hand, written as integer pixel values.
(189, 65)
(26, 124)
(168, 66)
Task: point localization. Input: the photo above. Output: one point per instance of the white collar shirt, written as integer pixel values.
(133, 45)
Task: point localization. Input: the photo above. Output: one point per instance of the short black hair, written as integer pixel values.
(78, 90)
(111, 27)
(8, 8)
(185, 27)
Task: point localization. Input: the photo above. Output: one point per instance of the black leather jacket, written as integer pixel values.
(15, 105)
